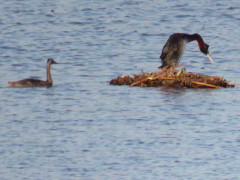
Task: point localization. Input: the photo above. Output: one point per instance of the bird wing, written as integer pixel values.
(169, 51)
(173, 49)
(32, 82)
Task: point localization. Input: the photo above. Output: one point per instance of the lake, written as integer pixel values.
(82, 127)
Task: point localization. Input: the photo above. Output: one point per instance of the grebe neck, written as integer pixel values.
(198, 38)
(49, 77)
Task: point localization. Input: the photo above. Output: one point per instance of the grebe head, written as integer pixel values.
(51, 61)
(204, 49)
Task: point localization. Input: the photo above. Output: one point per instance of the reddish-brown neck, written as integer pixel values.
(198, 38)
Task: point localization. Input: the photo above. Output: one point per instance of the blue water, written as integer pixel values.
(84, 128)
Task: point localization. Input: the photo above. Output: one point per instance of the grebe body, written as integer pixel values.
(36, 82)
(175, 46)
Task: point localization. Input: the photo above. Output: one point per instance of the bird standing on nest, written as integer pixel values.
(36, 82)
(174, 48)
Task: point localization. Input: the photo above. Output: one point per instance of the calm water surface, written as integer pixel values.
(84, 128)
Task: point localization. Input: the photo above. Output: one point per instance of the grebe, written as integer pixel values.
(174, 48)
(36, 82)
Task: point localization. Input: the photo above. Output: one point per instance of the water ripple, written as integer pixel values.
(84, 128)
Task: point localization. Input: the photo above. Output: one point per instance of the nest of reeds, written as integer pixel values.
(174, 79)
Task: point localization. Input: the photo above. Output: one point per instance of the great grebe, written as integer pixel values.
(174, 48)
(36, 82)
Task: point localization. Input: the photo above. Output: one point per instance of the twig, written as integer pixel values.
(141, 81)
(205, 84)
(151, 79)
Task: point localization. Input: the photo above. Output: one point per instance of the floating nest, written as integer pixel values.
(174, 79)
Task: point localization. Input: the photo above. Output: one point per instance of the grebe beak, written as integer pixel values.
(210, 58)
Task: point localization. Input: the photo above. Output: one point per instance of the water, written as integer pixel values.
(84, 128)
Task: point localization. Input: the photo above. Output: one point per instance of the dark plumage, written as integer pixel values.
(175, 46)
(35, 82)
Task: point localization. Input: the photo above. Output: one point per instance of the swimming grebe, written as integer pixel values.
(174, 48)
(36, 82)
